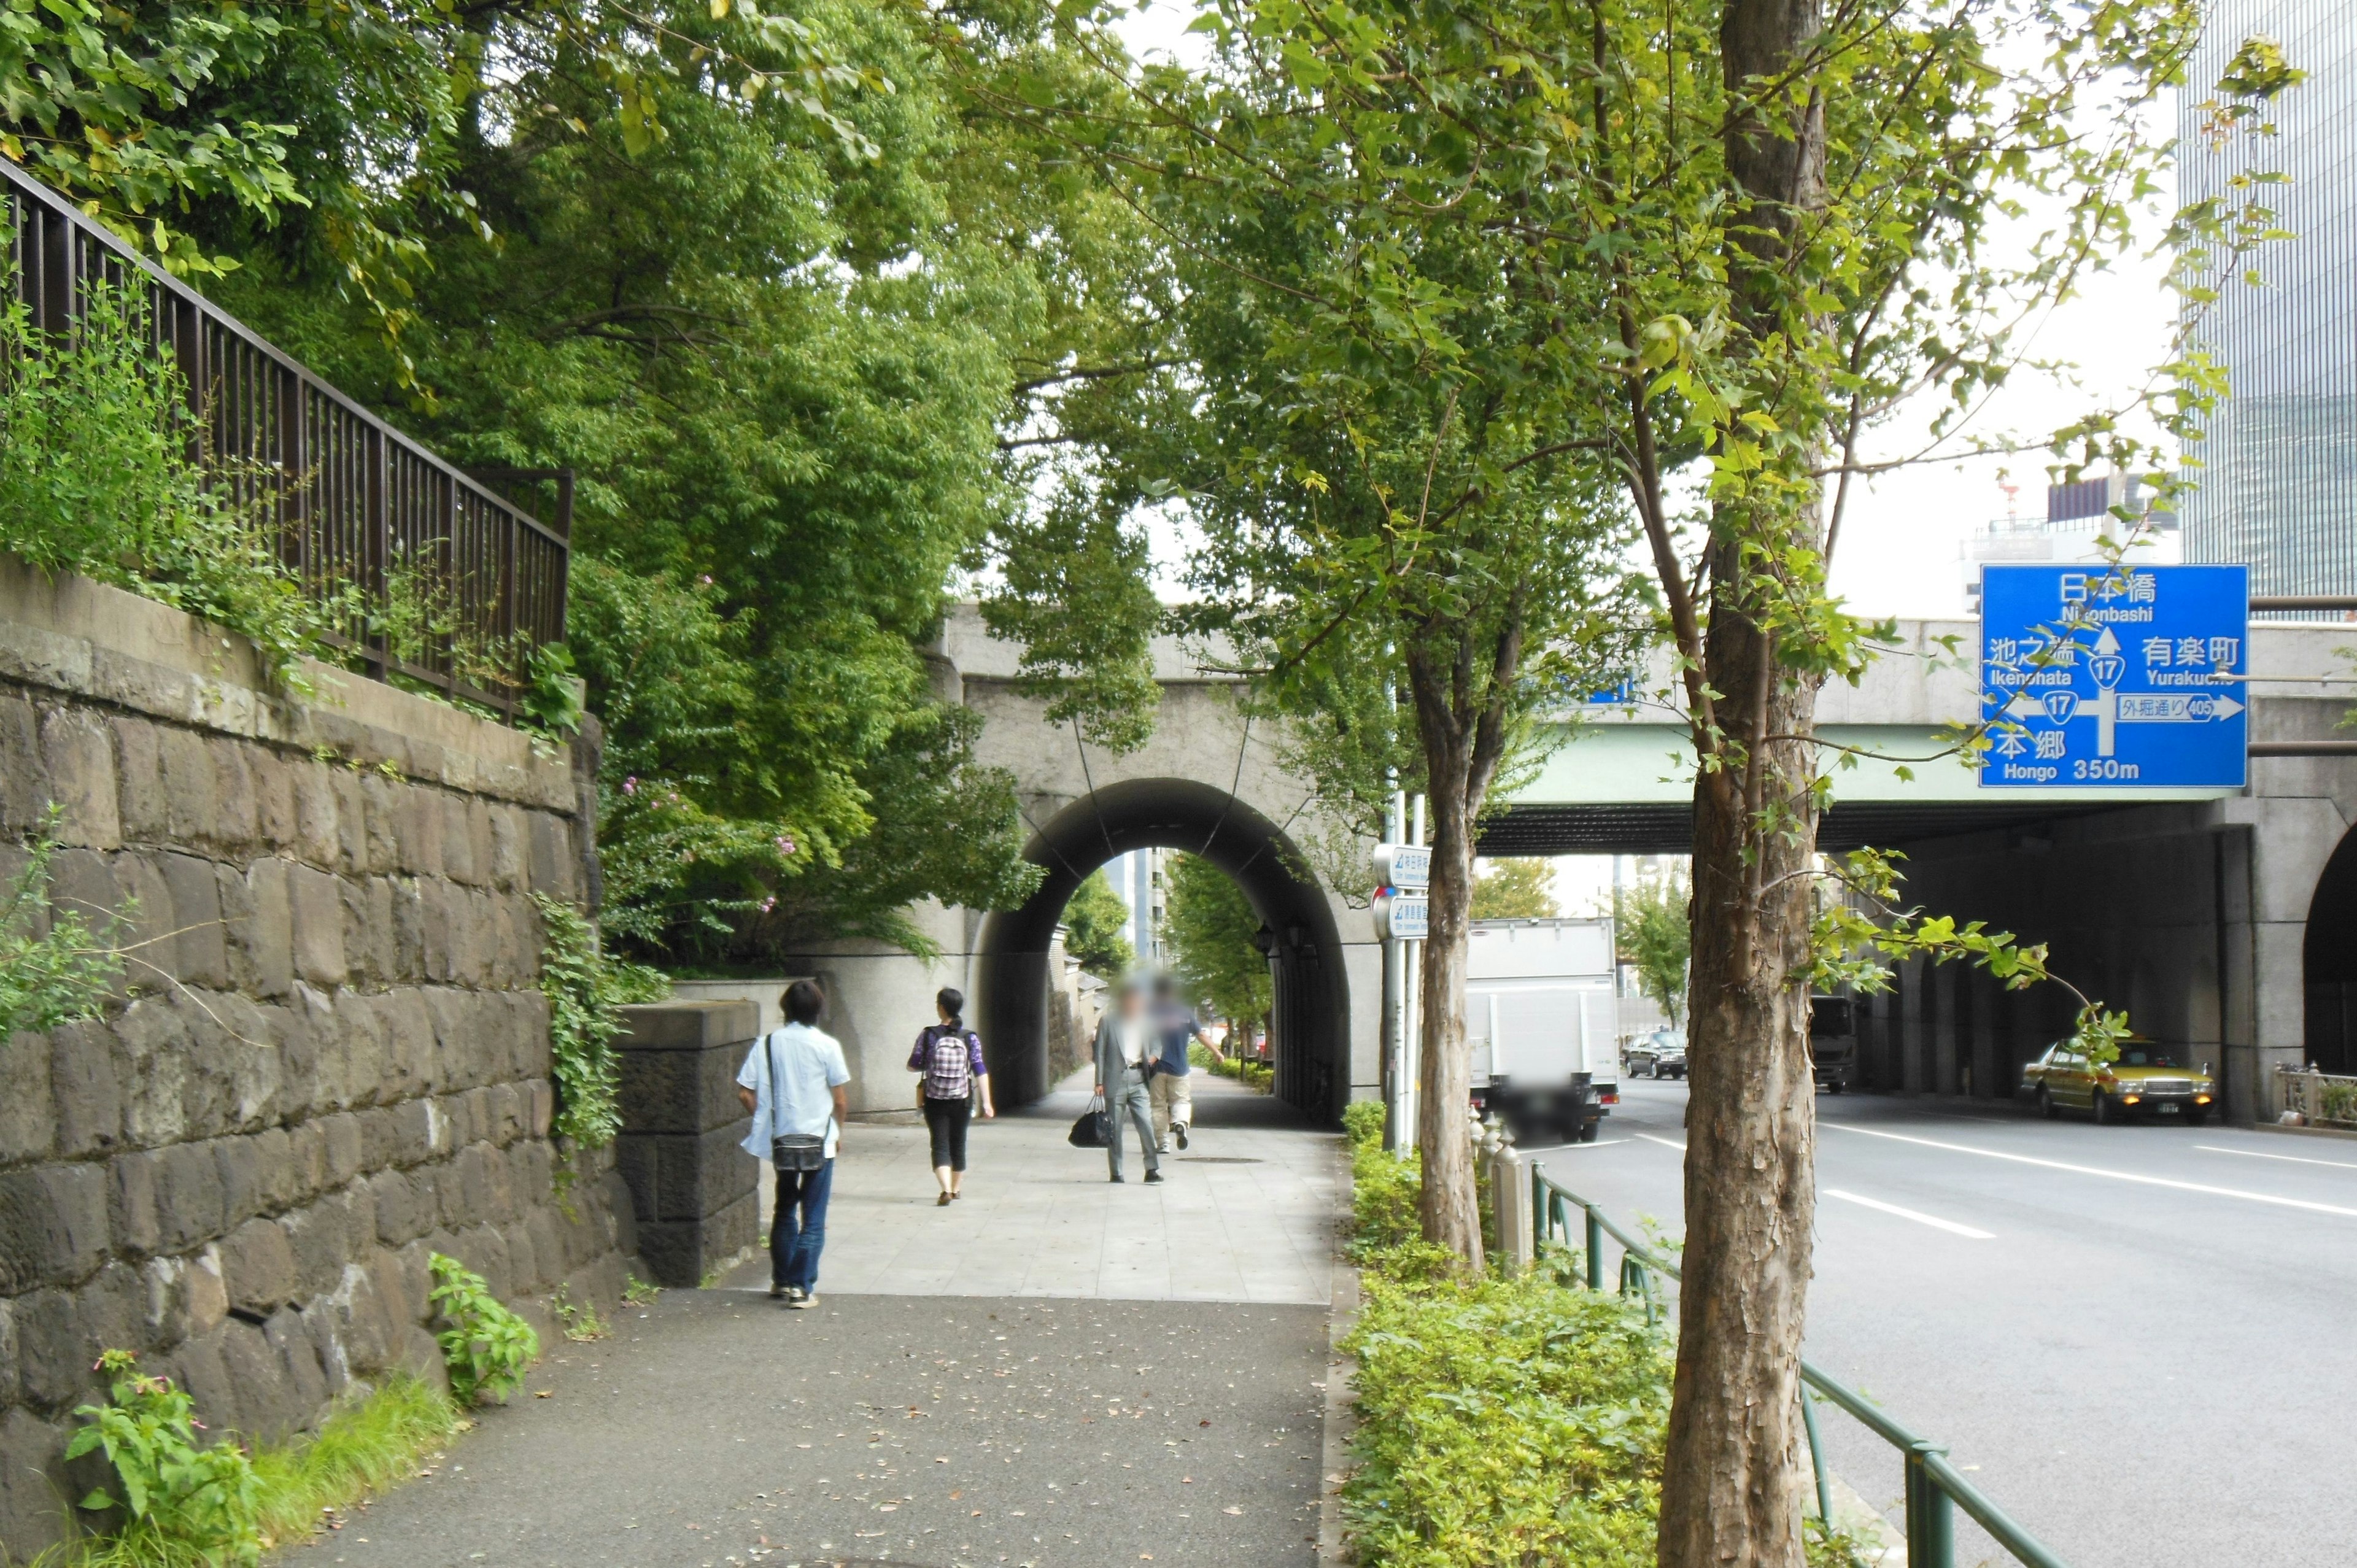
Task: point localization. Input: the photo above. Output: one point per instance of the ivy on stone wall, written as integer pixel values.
(56, 967)
(587, 992)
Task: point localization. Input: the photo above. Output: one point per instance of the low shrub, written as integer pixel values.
(487, 1348)
(175, 1500)
(1503, 1423)
(1251, 1074)
(177, 1503)
(96, 477)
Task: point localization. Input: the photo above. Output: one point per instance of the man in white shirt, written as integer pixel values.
(1124, 1044)
(792, 1082)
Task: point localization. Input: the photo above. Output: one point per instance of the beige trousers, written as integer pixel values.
(1174, 1100)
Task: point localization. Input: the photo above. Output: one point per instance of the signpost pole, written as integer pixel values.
(1397, 1133)
(1412, 1012)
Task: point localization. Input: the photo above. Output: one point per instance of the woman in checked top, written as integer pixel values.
(949, 1057)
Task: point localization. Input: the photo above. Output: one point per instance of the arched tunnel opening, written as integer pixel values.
(2329, 963)
(1310, 1025)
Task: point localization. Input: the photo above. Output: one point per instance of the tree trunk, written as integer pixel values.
(1448, 1203)
(1732, 1478)
(1731, 1488)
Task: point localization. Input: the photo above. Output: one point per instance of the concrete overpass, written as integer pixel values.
(2224, 920)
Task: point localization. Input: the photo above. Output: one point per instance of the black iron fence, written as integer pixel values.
(439, 578)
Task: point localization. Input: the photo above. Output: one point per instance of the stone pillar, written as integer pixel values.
(695, 1192)
(1914, 1038)
(1510, 1195)
(1993, 1076)
(1945, 1079)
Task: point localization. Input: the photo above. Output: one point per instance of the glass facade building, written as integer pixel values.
(2277, 482)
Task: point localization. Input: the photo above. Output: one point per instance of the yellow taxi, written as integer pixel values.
(2145, 1081)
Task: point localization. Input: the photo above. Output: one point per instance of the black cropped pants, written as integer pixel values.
(947, 1121)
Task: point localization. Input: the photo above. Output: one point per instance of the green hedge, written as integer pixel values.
(1500, 1422)
(1503, 1423)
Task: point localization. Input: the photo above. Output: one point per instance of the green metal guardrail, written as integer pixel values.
(1935, 1488)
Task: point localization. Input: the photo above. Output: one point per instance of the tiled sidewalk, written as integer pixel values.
(1248, 1214)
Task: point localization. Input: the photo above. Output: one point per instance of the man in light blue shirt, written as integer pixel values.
(793, 1084)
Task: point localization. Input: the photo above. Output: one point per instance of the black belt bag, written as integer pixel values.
(798, 1152)
(792, 1151)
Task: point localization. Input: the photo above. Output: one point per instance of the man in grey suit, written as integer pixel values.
(1124, 1052)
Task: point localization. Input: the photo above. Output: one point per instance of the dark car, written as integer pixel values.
(1832, 1041)
(1662, 1054)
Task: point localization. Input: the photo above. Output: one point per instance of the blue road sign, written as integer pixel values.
(2093, 676)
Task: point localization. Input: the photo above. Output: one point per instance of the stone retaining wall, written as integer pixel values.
(331, 1057)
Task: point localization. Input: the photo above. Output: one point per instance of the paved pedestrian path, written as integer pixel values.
(997, 1384)
(1247, 1213)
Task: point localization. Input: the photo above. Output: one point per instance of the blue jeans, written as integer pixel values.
(798, 1226)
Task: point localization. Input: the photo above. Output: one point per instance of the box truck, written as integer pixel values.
(1542, 1018)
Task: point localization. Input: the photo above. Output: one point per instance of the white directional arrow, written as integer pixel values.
(2109, 707)
(2175, 707)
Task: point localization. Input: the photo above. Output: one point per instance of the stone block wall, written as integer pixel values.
(329, 1058)
(694, 1190)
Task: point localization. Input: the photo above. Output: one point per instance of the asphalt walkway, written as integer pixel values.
(992, 1383)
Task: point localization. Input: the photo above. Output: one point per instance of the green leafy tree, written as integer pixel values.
(118, 107)
(1515, 889)
(1524, 277)
(1654, 935)
(1092, 929)
(1208, 928)
(1398, 545)
(810, 323)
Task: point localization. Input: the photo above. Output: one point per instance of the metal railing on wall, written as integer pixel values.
(354, 503)
(1934, 1487)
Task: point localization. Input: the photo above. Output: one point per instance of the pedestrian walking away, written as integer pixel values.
(952, 1079)
(1176, 1027)
(793, 1084)
(1124, 1049)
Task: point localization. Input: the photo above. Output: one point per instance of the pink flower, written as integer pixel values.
(630, 786)
(769, 903)
(785, 844)
(705, 580)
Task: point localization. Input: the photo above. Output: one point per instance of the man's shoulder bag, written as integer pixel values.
(791, 1151)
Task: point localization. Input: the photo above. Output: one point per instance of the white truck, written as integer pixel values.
(1542, 1018)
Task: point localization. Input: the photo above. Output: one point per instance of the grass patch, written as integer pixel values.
(360, 1451)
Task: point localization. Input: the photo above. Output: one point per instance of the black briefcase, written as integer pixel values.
(1092, 1130)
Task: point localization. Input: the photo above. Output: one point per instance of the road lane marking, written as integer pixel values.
(1933, 1220)
(2098, 1171)
(2294, 1159)
(1665, 1142)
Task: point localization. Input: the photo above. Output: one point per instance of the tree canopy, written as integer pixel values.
(1092, 929)
(1515, 889)
(1654, 935)
(805, 313)
(1209, 930)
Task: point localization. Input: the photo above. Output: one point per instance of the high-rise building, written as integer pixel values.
(2276, 485)
(2081, 520)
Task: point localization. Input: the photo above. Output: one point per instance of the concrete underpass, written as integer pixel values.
(2225, 922)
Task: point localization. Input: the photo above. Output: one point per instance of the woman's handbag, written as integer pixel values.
(1089, 1132)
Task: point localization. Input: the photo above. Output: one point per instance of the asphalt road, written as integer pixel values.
(2140, 1337)
(719, 1428)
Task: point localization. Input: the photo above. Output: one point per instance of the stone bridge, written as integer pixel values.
(2225, 920)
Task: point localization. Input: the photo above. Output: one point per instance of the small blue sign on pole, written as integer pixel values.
(2096, 676)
